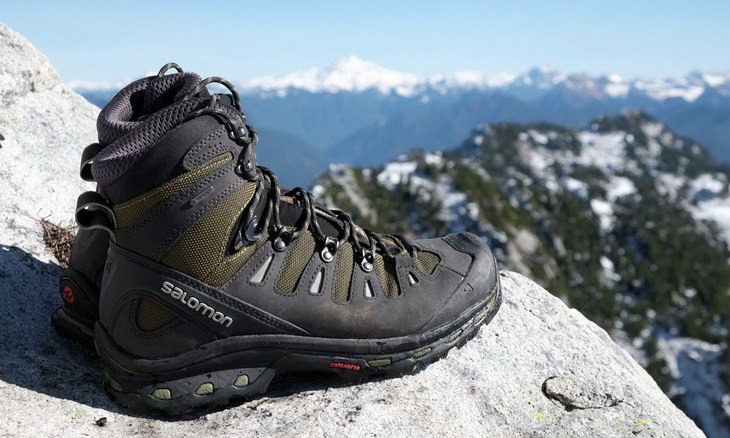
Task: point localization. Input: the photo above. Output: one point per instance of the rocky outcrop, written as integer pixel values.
(539, 369)
(46, 126)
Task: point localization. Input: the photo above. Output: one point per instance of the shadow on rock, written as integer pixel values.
(33, 355)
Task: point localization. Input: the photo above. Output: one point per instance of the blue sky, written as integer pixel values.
(115, 40)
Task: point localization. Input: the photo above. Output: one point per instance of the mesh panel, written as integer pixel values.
(203, 246)
(167, 89)
(297, 259)
(385, 267)
(131, 211)
(114, 160)
(116, 119)
(426, 261)
(343, 274)
(128, 135)
(152, 316)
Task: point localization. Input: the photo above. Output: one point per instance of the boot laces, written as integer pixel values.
(267, 185)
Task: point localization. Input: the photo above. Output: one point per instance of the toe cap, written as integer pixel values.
(469, 256)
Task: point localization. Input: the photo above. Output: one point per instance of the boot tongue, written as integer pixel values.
(161, 91)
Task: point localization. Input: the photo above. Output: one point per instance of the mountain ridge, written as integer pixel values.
(353, 74)
(360, 113)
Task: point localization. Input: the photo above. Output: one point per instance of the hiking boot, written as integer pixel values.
(217, 279)
(80, 282)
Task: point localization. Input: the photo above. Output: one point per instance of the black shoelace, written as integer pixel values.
(267, 185)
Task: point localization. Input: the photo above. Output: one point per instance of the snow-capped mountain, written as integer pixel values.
(352, 74)
(355, 75)
(354, 105)
(623, 219)
(357, 112)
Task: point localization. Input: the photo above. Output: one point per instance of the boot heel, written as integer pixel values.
(75, 319)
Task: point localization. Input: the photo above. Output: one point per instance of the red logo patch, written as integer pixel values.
(68, 295)
(345, 366)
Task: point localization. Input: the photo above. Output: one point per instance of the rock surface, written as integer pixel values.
(46, 126)
(539, 369)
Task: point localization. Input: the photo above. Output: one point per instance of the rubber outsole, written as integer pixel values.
(203, 383)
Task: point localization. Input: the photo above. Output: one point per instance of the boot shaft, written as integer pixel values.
(173, 173)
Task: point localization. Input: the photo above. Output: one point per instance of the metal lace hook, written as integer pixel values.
(367, 259)
(215, 79)
(167, 67)
(329, 249)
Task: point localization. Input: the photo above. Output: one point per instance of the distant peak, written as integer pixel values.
(352, 62)
(350, 73)
(614, 78)
(545, 71)
(545, 68)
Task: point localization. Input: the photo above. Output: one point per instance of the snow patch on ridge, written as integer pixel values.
(605, 151)
(618, 187)
(704, 197)
(715, 210)
(695, 367)
(396, 172)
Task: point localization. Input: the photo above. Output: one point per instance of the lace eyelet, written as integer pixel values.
(282, 240)
(247, 234)
(252, 234)
(330, 249)
(244, 169)
(242, 133)
(367, 259)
